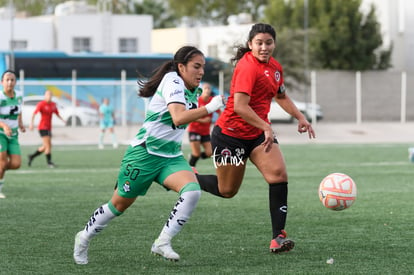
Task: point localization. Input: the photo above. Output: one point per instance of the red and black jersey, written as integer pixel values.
(261, 81)
(46, 109)
(200, 128)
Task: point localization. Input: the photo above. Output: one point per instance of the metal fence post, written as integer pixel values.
(358, 98)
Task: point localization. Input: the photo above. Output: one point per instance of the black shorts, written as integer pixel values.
(193, 136)
(227, 147)
(45, 133)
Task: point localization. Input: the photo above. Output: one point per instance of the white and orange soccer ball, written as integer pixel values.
(337, 191)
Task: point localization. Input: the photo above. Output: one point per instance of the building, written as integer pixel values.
(77, 27)
(396, 19)
(397, 26)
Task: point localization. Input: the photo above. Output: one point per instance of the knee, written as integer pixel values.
(228, 194)
(279, 175)
(15, 165)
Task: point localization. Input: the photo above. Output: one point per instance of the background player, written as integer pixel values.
(10, 122)
(46, 108)
(199, 130)
(107, 121)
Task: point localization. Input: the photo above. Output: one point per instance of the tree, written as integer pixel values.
(343, 38)
(40, 7)
(162, 15)
(216, 11)
(33, 7)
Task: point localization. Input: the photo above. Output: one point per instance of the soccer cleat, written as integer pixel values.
(164, 250)
(115, 145)
(51, 165)
(281, 243)
(100, 146)
(2, 196)
(80, 250)
(30, 160)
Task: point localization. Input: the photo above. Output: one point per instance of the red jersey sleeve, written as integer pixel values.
(261, 81)
(246, 78)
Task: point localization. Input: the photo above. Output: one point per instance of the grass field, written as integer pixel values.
(45, 207)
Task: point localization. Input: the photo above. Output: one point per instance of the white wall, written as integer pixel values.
(171, 39)
(397, 27)
(38, 32)
(222, 38)
(129, 26)
(57, 32)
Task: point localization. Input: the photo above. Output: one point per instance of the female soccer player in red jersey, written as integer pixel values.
(46, 108)
(243, 130)
(199, 130)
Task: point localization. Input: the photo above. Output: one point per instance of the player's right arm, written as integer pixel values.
(6, 129)
(180, 115)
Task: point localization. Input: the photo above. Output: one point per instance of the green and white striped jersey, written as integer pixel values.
(10, 109)
(160, 135)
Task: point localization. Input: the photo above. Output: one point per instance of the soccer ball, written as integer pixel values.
(337, 191)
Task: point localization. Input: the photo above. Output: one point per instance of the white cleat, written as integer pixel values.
(164, 250)
(80, 251)
(2, 196)
(100, 146)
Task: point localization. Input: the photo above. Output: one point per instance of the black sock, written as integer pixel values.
(35, 154)
(49, 158)
(203, 155)
(209, 183)
(193, 160)
(278, 194)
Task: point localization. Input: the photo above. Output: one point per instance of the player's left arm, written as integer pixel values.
(20, 121)
(287, 104)
(61, 118)
(56, 111)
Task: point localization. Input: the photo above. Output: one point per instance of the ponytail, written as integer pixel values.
(182, 56)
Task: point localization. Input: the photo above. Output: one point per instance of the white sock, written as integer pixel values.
(98, 221)
(181, 212)
(101, 138)
(114, 139)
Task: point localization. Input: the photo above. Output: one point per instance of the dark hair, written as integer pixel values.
(182, 56)
(256, 28)
(8, 71)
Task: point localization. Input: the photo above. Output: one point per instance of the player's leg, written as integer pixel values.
(177, 176)
(10, 157)
(4, 159)
(47, 144)
(98, 221)
(103, 127)
(15, 161)
(195, 152)
(206, 145)
(14, 154)
(135, 176)
(272, 166)
(195, 144)
(38, 151)
(230, 161)
(113, 136)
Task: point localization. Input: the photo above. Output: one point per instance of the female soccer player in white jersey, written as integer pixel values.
(155, 153)
(10, 122)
